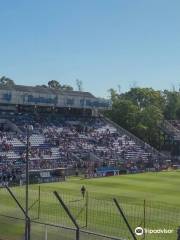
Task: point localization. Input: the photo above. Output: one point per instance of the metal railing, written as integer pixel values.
(69, 216)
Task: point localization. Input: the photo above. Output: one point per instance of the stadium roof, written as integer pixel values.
(47, 90)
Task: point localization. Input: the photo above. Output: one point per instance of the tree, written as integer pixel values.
(140, 110)
(172, 104)
(144, 97)
(43, 86)
(124, 113)
(113, 95)
(67, 87)
(5, 81)
(119, 88)
(54, 84)
(149, 119)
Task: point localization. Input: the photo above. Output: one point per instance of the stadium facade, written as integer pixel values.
(69, 135)
(17, 95)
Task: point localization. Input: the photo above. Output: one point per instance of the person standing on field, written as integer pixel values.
(83, 190)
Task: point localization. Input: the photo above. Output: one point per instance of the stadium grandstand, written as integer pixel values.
(69, 135)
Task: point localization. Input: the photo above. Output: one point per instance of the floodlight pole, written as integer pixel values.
(27, 232)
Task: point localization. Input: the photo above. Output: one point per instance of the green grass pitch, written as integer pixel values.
(161, 192)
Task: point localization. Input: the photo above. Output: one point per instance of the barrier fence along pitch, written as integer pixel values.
(125, 219)
(70, 217)
(27, 219)
(68, 213)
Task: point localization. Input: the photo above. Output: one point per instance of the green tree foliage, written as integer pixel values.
(54, 84)
(42, 86)
(67, 87)
(139, 110)
(5, 81)
(150, 117)
(172, 104)
(124, 113)
(144, 97)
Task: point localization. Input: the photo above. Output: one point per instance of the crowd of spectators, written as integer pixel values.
(76, 142)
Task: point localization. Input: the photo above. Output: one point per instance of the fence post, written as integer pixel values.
(28, 220)
(39, 202)
(46, 234)
(124, 217)
(144, 217)
(28, 228)
(87, 203)
(69, 214)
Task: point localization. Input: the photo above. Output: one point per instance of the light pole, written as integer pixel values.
(29, 129)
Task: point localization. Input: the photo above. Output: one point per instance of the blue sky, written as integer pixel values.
(104, 43)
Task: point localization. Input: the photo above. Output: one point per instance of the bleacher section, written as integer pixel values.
(171, 128)
(176, 124)
(70, 142)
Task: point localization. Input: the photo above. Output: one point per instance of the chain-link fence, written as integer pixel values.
(96, 218)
